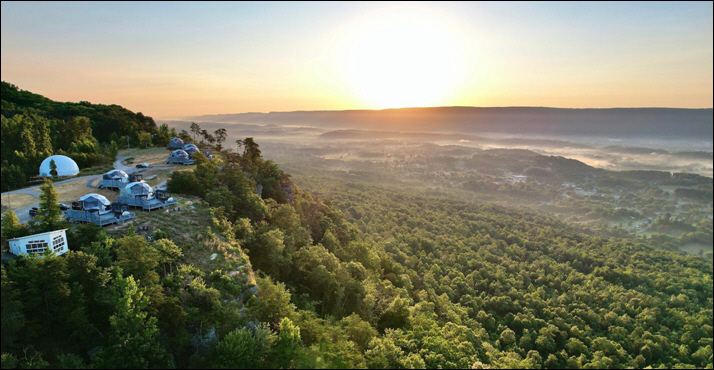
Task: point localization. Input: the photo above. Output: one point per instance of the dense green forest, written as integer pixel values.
(35, 127)
(323, 273)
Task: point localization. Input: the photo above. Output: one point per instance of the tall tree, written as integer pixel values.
(133, 341)
(163, 137)
(136, 257)
(53, 168)
(49, 213)
(10, 225)
(195, 129)
(251, 151)
(145, 138)
(220, 136)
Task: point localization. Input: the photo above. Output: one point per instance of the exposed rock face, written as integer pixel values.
(202, 345)
(289, 190)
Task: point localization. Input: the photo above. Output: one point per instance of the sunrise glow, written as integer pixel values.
(404, 59)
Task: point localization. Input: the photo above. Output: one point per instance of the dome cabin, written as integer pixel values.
(175, 143)
(179, 157)
(114, 179)
(118, 179)
(190, 149)
(97, 209)
(66, 166)
(141, 195)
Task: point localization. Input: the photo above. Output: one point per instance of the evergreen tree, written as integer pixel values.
(49, 213)
(133, 340)
(10, 225)
(53, 168)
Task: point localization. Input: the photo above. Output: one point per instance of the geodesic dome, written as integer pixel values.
(190, 148)
(176, 143)
(66, 166)
(179, 154)
(95, 201)
(136, 189)
(116, 175)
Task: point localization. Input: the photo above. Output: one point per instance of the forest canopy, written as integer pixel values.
(343, 274)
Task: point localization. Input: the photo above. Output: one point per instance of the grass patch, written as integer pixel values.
(17, 201)
(71, 191)
(191, 230)
(152, 156)
(96, 170)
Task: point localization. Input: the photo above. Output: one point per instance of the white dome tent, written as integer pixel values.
(96, 209)
(176, 143)
(117, 174)
(96, 202)
(179, 156)
(116, 179)
(140, 194)
(66, 166)
(190, 149)
(136, 189)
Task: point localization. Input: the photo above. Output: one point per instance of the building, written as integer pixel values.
(38, 243)
(208, 153)
(179, 156)
(66, 166)
(97, 209)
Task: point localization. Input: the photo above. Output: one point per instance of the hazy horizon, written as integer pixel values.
(432, 107)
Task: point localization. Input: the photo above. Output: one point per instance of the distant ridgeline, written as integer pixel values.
(34, 127)
(664, 123)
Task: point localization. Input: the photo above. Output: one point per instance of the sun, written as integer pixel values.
(403, 59)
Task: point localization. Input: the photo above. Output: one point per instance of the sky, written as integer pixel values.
(170, 60)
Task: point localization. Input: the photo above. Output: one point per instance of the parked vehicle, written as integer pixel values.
(142, 165)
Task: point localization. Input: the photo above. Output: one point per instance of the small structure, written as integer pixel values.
(208, 153)
(66, 166)
(114, 179)
(140, 194)
(179, 156)
(190, 149)
(98, 210)
(118, 179)
(38, 243)
(175, 143)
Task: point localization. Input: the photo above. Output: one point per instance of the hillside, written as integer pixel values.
(35, 127)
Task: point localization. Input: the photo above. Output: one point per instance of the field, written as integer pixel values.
(96, 170)
(152, 156)
(71, 191)
(17, 200)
